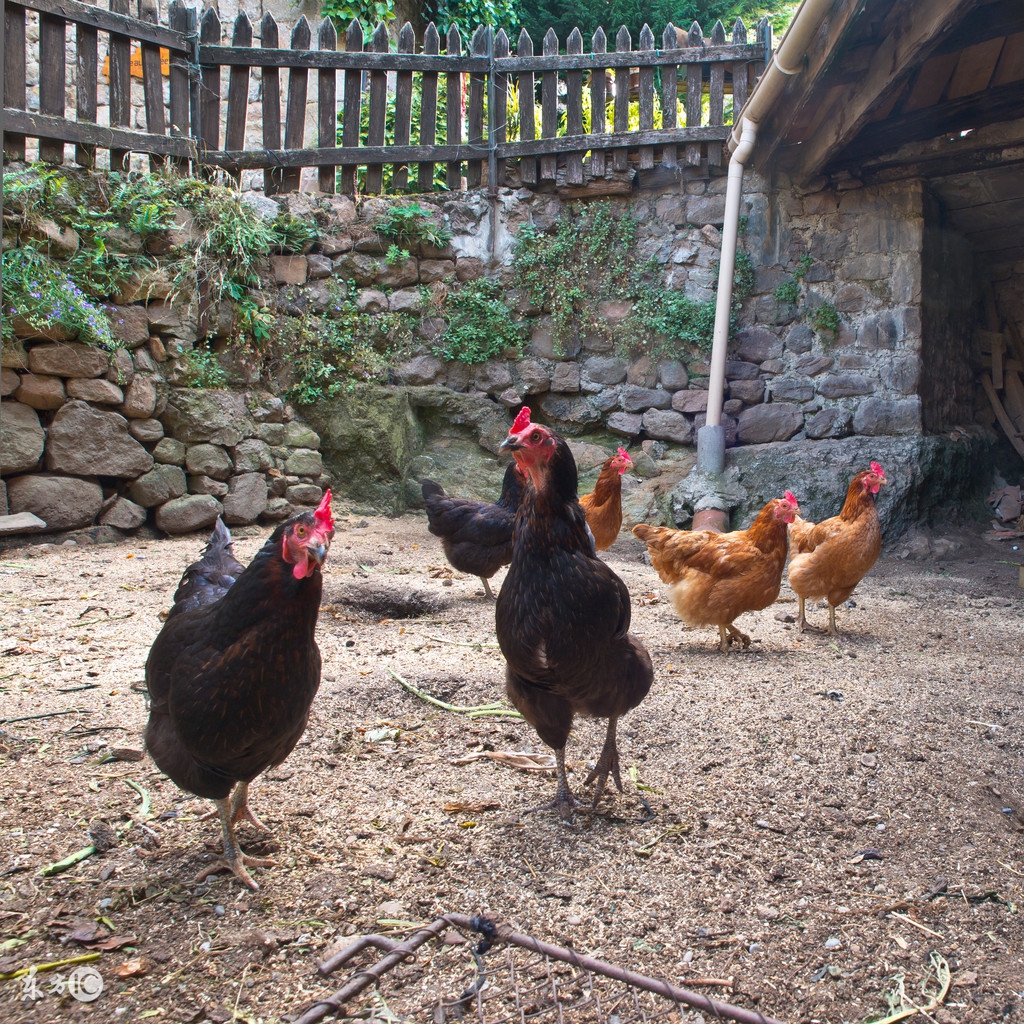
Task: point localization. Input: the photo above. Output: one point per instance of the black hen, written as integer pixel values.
(208, 579)
(563, 615)
(476, 535)
(231, 678)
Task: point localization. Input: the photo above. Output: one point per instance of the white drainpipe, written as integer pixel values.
(788, 60)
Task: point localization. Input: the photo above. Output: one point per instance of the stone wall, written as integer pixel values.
(87, 437)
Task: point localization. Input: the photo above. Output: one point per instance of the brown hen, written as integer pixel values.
(603, 506)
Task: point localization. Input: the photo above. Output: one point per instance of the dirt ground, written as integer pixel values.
(805, 823)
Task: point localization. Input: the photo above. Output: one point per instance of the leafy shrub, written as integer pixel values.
(202, 370)
(480, 325)
(410, 224)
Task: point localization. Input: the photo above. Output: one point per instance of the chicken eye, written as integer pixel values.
(300, 531)
(535, 437)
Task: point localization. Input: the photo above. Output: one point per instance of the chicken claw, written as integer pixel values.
(240, 809)
(233, 859)
(564, 801)
(728, 634)
(237, 866)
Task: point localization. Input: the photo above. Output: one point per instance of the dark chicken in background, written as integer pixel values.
(563, 615)
(234, 670)
(828, 559)
(715, 577)
(476, 535)
(603, 506)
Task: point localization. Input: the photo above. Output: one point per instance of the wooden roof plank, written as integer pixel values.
(974, 69)
(1011, 61)
(931, 81)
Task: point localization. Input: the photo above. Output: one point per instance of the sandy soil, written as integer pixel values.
(805, 823)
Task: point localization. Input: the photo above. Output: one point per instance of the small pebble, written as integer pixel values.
(755, 947)
(218, 911)
(105, 902)
(574, 920)
(880, 827)
(833, 943)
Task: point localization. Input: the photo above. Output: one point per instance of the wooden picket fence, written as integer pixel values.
(476, 141)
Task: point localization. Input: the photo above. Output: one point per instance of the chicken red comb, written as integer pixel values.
(323, 516)
(791, 498)
(522, 421)
(623, 454)
(877, 469)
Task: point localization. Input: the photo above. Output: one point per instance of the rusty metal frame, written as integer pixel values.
(395, 953)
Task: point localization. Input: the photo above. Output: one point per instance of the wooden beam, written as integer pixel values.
(1012, 433)
(908, 35)
(85, 14)
(85, 133)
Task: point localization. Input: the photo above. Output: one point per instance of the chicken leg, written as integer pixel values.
(607, 764)
(564, 801)
(801, 620)
(240, 809)
(233, 859)
(487, 588)
(728, 633)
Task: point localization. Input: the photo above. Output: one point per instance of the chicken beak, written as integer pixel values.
(317, 552)
(510, 444)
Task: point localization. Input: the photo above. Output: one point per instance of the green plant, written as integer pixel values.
(202, 370)
(39, 291)
(788, 292)
(410, 224)
(826, 320)
(395, 255)
(480, 325)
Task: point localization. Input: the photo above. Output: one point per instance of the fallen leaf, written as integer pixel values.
(115, 942)
(131, 968)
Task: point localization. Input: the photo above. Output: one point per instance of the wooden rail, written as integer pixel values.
(486, 115)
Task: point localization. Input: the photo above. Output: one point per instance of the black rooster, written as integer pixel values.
(234, 670)
(476, 535)
(563, 615)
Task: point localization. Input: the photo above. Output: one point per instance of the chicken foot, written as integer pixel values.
(802, 623)
(607, 764)
(487, 588)
(728, 633)
(233, 859)
(564, 801)
(240, 809)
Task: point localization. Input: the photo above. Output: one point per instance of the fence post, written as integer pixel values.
(403, 107)
(549, 106)
(52, 61)
(598, 99)
(353, 99)
(86, 60)
(14, 74)
(623, 43)
(527, 114)
(270, 83)
(209, 86)
(574, 109)
(378, 111)
(327, 106)
(497, 110)
(295, 119)
(716, 95)
(453, 110)
(152, 82)
(646, 99)
(474, 168)
(694, 93)
(428, 108)
(739, 72)
(669, 95)
(181, 19)
(238, 90)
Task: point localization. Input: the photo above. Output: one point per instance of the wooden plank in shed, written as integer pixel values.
(574, 109)
(351, 114)
(1011, 431)
(974, 69)
(623, 44)
(270, 87)
(86, 65)
(645, 100)
(549, 107)
(52, 60)
(1013, 399)
(327, 105)
(527, 112)
(152, 81)
(598, 99)
(694, 94)
(931, 81)
(403, 107)
(295, 117)
(428, 108)
(453, 110)
(1011, 61)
